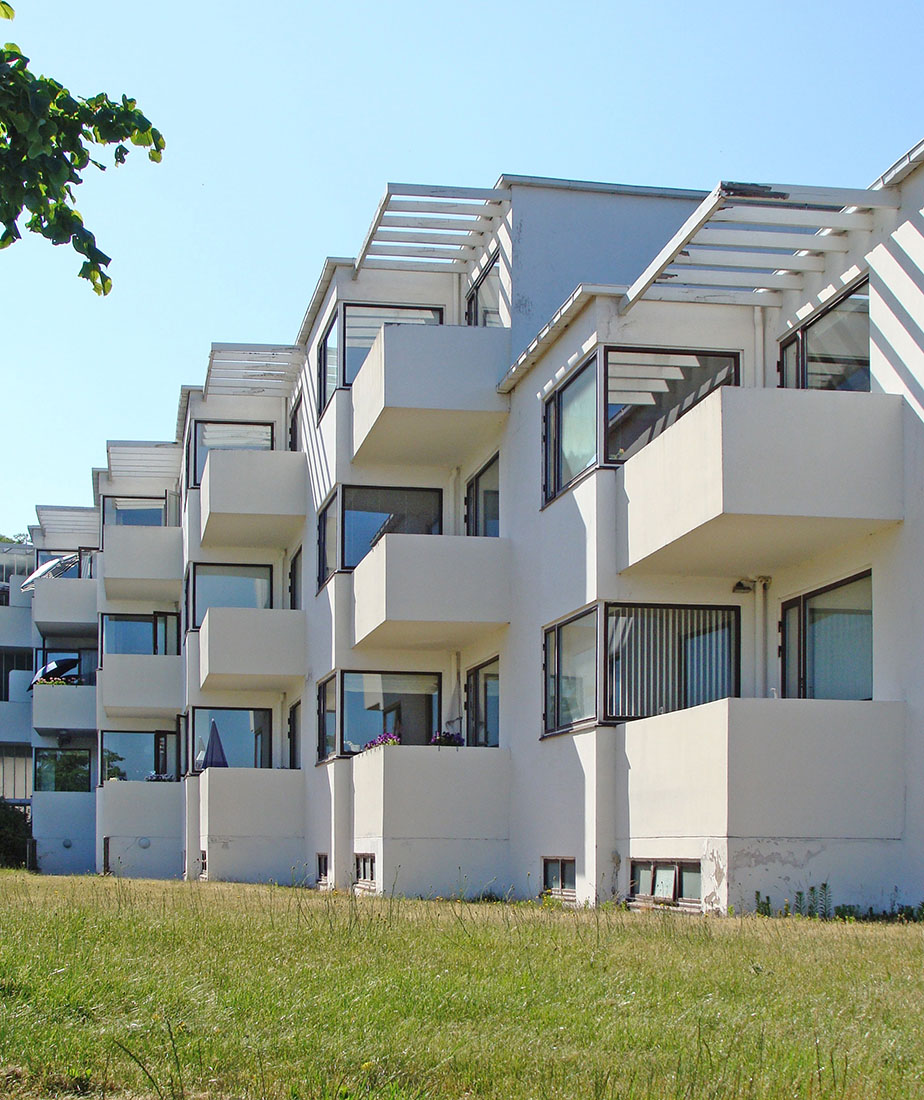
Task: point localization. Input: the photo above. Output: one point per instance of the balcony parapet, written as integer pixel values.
(58, 707)
(64, 605)
(253, 498)
(142, 563)
(139, 685)
(249, 649)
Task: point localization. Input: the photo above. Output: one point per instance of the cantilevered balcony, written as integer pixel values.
(426, 591)
(751, 480)
(427, 394)
(57, 707)
(253, 498)
(249, 649)
(142, 563)
(64, 605)
(140, 685)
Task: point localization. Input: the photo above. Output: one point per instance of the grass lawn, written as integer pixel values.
(184, 990)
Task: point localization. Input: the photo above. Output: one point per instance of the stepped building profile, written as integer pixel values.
(574, 544)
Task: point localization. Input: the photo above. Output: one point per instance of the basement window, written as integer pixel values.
(558, 878)
(322, 869)
(667, 882)
(365, 870)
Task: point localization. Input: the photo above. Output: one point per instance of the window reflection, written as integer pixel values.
(368, 514)
(230, 586)
(405, 704)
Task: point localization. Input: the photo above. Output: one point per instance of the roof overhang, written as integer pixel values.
(80, 526)
(253, 370)
(131, 459)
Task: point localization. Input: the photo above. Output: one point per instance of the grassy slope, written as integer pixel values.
(264, 992)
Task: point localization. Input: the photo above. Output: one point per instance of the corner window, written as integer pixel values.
(362, 325)
(832, 351)
(482, 704)
(666, 882)
(647, 391)
(370, 513)
(295, 581)
(230, 586)
(139, 757)
(157, 634)
(295, 735)
(482, 501)
(231, 737)
(558, 878)
(62, 770)
(327, 541)
(327, 718)
(661, 659)
(571, 671)
(328, 359)
(405, 705)
(827, 642)
(482, 307)
(571, 430)
(214, 435)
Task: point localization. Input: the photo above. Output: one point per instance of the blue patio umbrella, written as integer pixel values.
(214, 751)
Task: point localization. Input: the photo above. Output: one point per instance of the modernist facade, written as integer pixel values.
(614, 490)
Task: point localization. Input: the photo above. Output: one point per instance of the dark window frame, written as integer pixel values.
(552, 485)
(473, 710)
(323, 868)
(799, 603)
(565, 893)
(128, 496)
(796, 339)
(555, 630)
(160, 750)
(344, 308)
(472, 512)
(140, 616)
(364, 862)
(677, 899)
(191, 733)
(191, 594)
(341, 524)
(323, 397)
(42, 750)
(192, 467)
(472, 312)
(295, 424)
(296, 582)
(333, 501)
(322, 750)
(341, 709)
(294, 735)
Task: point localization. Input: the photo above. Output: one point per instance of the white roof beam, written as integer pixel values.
(413, 265)
(421, 251)
(751, 214)
(428, 191)
(704, 276)
(473, 209)
(772, 261)
(461, 225)
(819, 196)
(643, 370)
(811, 242)
(663, 292)
(409, 236)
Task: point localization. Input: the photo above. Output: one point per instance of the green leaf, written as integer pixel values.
(6, 10)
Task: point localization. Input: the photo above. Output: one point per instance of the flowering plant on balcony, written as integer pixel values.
(382, 739)
(57, 680)
(447, 737)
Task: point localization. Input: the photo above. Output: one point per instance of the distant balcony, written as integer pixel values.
(247, 649)
(143, 563)
(426, 394)
(138, 686)
(752, 480)
(768, 768)
(15, 722)
(431, 591)
(64, 605)
(253, 498)
(15, 626)
(63, 707)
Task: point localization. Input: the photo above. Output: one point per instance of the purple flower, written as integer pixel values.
(382, 739)
(447, 737)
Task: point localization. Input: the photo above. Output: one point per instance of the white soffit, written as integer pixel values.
(749, 241)
(422, 228)
(79, 526)
(127, 458)
(253, 370)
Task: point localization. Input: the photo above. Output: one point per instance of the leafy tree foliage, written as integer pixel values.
(45, 136)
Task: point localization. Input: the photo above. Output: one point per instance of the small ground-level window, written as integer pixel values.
(322, 868)
(365, 868)
(666, 882)
(558, 877)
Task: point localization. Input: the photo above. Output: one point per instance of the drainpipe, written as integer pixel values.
(759, 373)
(760, 636)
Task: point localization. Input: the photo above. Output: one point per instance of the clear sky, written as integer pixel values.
(284, 121)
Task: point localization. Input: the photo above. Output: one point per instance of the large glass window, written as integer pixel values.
(482, 704)
(15, 771)
(75, 662)
(327, 541)
(647, 391)
(363, 323)
(370, 513)
(327, 718)
(482, 501)
(73, 570)
(296, 435)
(832, 352)
(214, 435)
(62, 770)
(158, 633)
(230, 586)
(483, 303)
(827, 642)
(144, 757)
(134, 511)
(243, 737)
(12, 660)
(405, 704)
(661, 659)
(328, 359)
(571, 430)
(571, 671)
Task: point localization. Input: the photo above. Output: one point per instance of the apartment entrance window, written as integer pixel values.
(139, 756)
(661, 659)
(404, 704)
(230, 586)
(827, 642)
(482, 704)
(571, 430)
(65, 770)
(156, 634)
(482, 501)
(831, 352)
(216, 435)
(370, 513)
(244, 736)
(571, 671)
(647, 391)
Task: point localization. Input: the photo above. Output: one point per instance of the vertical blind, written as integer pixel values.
(660, 659)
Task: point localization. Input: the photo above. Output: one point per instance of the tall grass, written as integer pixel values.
(181, 991)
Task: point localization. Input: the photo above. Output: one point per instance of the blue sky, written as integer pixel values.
(285, 120)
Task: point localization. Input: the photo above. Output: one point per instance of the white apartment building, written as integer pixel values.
(616, 490)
